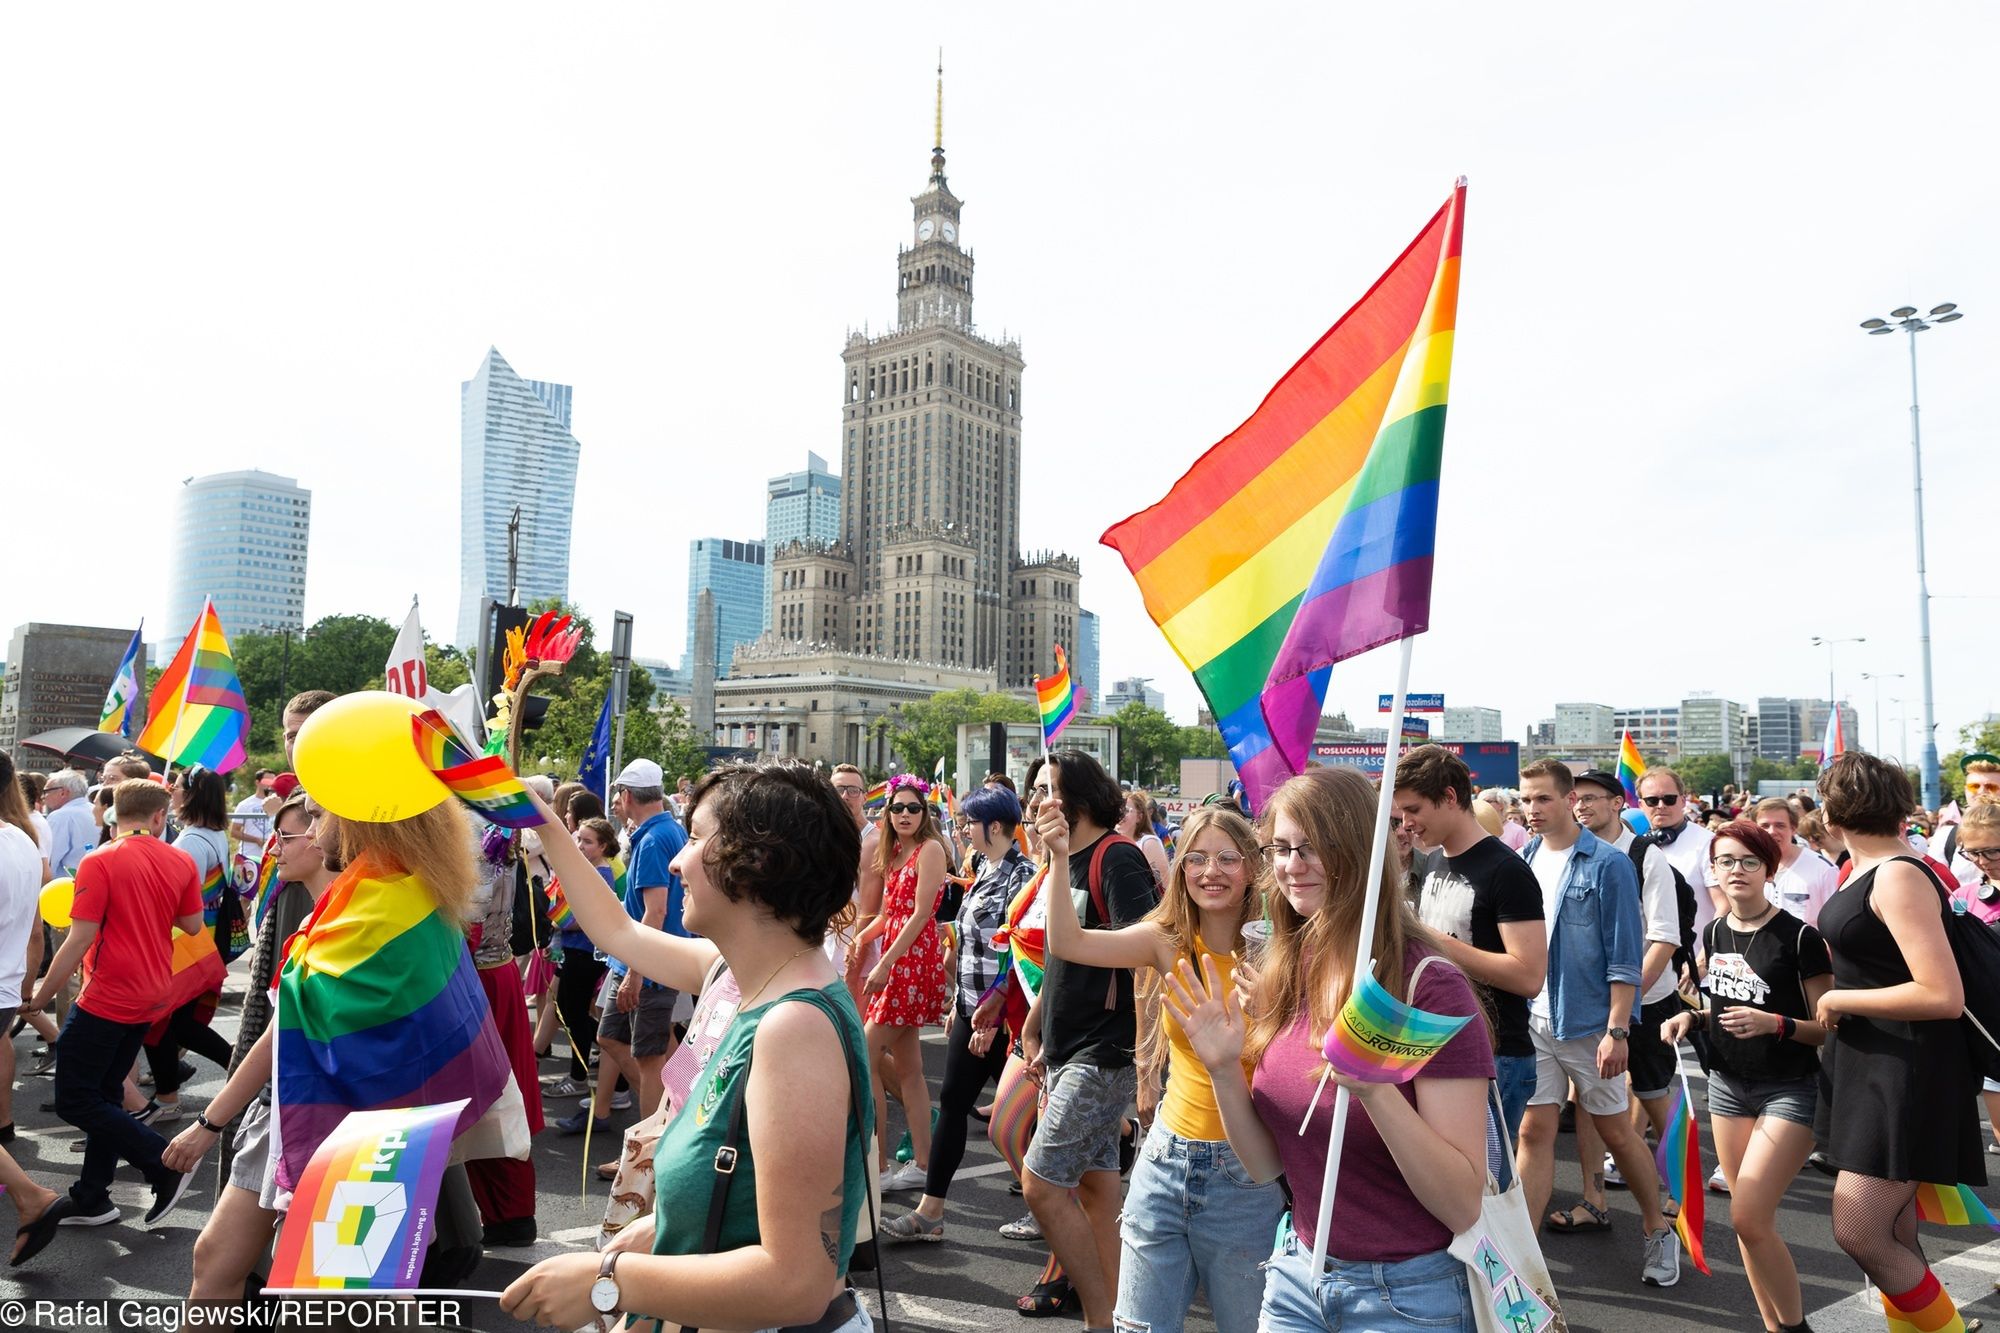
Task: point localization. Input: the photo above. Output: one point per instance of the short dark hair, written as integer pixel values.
(585, 804)
(605, 832)
(307, 702)
(783, 839)
(1087, 788)
(1866, 795)
(1555, 770)
(1431, 771)
(1758, 841)
(204, 797)
(997, 780)
(993, 805)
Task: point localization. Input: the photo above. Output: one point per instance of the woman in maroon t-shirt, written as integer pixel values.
(1413, 1164)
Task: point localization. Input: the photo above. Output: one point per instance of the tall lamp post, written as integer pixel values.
(1820, 641)
(1906, 318)
(1878, 677)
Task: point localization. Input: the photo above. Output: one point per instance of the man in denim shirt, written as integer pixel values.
(1580, 1022)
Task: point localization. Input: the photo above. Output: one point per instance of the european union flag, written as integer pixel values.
(593, 768)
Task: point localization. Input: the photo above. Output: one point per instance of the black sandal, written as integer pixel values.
(1048, 1298)
(1565, 1221)
(39, 1233)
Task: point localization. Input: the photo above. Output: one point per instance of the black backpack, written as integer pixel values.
(1683, 899)
(1975, 947)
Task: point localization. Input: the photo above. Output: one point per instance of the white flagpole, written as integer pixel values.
(1364, 948)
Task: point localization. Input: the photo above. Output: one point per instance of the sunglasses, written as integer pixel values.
(906, 809)
(1671, 799)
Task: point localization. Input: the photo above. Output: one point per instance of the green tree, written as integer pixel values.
(1148, 743)
(682, 753)
(1705, 773)
(1203, 742)
(926, 730)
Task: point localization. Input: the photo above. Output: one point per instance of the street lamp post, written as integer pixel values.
(1878, 677)
(1907, 319)
(1832, 694)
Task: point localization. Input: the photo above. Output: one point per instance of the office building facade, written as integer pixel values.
(1083, 658)
(733, 572)
(801, 506)
(1471, 724)
(1586, 724)
(241, 539)
(515, 451)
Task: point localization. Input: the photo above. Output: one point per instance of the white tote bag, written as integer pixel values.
(1511, 1288)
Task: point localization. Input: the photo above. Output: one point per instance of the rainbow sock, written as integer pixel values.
(1924, 1308)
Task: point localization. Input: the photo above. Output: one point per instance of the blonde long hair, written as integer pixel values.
(436, 847)
(1180, 920)
(1336, 808)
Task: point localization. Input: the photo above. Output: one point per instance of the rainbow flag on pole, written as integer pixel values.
(877, 797)
(1055, 699)
(1834, 744)
(560, 912)
(379, 1008)
(1631, 767)
(196, 714)
(1953, 1206)
(487, 786)
(1306, 535)
(266, 887)
(363, 1214)
(1377, 1038)
(117, 714)
(1679, 1158)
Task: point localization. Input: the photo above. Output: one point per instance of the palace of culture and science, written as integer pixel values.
(926, 588)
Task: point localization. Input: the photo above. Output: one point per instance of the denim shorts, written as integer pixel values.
(1193, 1218)
(1427, 1292)
(1083, 1114)
(1747, 1099)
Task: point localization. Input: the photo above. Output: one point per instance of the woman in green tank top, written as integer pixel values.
(770, 860)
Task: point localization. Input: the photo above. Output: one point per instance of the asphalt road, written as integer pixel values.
(970, 1280)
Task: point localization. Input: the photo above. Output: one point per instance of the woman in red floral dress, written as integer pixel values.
(908, 988)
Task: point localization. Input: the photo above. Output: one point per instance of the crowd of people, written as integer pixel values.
(1133, 1014)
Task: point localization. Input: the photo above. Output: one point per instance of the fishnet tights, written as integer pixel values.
(1875, 1222)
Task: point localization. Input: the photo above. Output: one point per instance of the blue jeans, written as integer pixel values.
(1426, 1292)
(92, 1057)
(1515, 1076)
(1193, 1217)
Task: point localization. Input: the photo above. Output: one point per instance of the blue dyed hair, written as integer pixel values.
(992, 805)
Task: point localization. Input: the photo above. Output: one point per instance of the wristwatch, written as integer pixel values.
(1618, 1034)
(604, 1291)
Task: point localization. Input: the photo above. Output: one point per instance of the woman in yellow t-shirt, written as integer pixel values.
(1193, 1217)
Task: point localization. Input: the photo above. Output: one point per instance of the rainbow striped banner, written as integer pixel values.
(196, 713)
(487, 786)
(363, 1214)
(1679, 1158)
(877, 797)
(560, 912)
(1306, 535)
(1377, 1038)
(1055, 699)
(1631, 767)
(1953, 1206)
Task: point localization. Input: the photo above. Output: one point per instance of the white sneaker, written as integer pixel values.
(1612, 1177)
(908, 1176)
(1718, 1183)
(1662, 1266)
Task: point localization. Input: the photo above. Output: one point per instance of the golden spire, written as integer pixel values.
(938, 141)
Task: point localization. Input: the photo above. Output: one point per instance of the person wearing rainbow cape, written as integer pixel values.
(1413, 1164)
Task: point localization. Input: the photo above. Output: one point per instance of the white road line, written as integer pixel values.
(1968, 1275)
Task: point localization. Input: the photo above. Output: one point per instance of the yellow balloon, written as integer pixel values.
(58, 896)
(357, 756)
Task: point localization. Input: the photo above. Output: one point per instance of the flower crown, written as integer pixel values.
(917, 784)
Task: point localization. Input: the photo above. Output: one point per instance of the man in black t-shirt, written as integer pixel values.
(1481, 909)
(1080, 1033)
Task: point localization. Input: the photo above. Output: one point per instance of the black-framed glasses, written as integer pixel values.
(1282, 851)
(1983, 855)
(905, 808)
(851, 791)
(1739, 863)
(1670, 800)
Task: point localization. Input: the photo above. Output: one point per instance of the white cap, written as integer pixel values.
(641, 773)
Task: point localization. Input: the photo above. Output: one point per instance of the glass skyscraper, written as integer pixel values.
(1083, 658)
(734, 572)
(242, 541)
(800, 506)
(514, 449)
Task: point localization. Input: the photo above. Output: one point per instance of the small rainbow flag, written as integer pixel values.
(1055, 699)
(1306, 535)
(363, 1213)
(1679, 1158)
(877, 797)
(1377, 1038)
(1953, 1206)
(483, 782)
(196, 713)
(1631, 767)
(266, 886)
(560, 914)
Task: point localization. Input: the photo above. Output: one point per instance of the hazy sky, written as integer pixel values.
(238, 237)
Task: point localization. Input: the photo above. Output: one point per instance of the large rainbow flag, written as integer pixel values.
(1306, 535)
(379, 1007)
(1679, 1158)
(1055, 699)
(363, 1214)
(196, 713)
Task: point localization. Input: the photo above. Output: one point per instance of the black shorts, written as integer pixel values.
(1651, 1061)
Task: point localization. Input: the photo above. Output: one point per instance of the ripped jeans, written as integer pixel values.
(1193, 1217)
